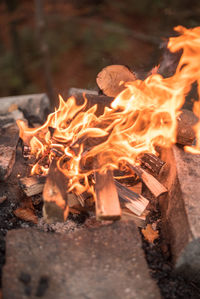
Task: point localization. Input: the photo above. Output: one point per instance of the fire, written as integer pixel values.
(141, 118)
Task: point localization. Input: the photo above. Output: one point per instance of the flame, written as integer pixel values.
(141, 118)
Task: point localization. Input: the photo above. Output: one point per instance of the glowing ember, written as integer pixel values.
(141, 117)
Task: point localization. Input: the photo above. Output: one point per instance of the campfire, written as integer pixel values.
(93, 143)
(127, 152)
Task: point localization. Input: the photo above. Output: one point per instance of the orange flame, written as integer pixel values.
(141, 117)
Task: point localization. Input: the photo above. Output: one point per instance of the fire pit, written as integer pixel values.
(106, 157)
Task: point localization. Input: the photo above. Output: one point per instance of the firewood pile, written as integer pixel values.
(118, 194)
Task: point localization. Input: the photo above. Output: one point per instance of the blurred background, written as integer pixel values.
(50, 46)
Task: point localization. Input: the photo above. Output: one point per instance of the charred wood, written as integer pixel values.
(152, 162)
(185, 132)
(102, 101)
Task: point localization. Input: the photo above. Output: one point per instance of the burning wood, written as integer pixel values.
(153, 163)
(107, 201)
(101, 101)
(151, 182)
(55, 208)
(131, 200)
(141, 119)
(185, 131)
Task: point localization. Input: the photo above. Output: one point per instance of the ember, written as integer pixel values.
(140, 119)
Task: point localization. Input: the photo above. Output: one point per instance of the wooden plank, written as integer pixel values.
(107, 201)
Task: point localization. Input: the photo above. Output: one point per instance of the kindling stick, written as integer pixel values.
(107, 201)
(131, 200)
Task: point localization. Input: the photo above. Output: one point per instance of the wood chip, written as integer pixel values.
(26, 214)
(111, 77)
(140, 221)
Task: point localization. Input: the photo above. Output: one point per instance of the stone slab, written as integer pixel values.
(35, 107)
(181, 211)
(9, 137)
(103, 262)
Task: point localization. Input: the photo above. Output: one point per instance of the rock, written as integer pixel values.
(9, 137)
(181, 211)
(35, 107)
(103, 262)
(10, 118)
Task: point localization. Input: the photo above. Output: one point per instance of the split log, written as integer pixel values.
(111, 79)
(55, 208)
(140, 221)
(131, 200)
(153, 163)
(152, 183)
(32, 185)
(107, 201)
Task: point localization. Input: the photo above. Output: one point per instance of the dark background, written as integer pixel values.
(50, 46)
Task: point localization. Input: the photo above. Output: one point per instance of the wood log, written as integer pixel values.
(32, 185)
(107, 201)
(153, 163)
(151, 182)
(185, 132)
(110, 79)
(55, 208)
(131, 200)
(102, 101)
